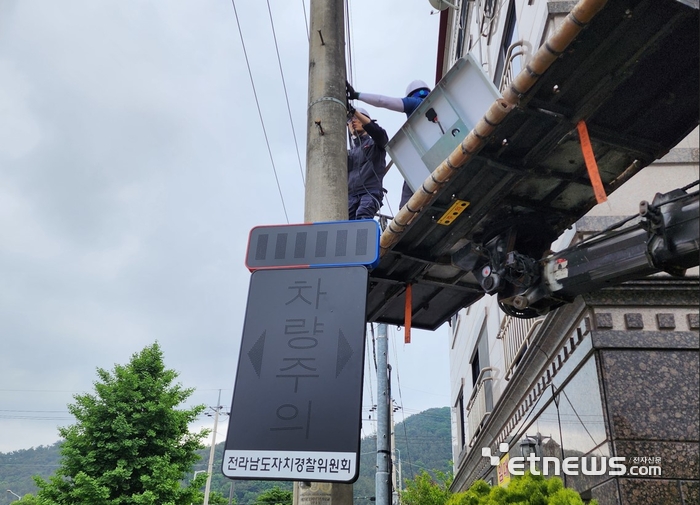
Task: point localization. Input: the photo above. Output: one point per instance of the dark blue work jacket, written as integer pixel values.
(367, 161)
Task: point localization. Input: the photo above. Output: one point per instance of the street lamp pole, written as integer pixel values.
(195, 476)
(400, 475)
(15, 494)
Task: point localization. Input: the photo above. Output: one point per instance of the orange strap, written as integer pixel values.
(407, 316)
(591, 164)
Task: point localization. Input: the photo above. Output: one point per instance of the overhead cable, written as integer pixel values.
(398, 384)
(348, 42)
(257, 103)
(306, 20)
(286, 96)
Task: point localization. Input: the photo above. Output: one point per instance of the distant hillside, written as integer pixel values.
(17, 468)
(423, 441)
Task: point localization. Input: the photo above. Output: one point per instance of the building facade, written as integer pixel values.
(613, 374)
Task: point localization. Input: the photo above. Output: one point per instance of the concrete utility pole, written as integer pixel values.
(326, 144)
(382, 483)
(394, 466)
(326, 197)
(211, 450)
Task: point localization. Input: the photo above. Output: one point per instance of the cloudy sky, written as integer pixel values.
(132, 167)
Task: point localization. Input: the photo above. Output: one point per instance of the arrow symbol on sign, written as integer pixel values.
(255, 355)
(344, 353)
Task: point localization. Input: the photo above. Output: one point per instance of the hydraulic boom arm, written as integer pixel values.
(666, 238)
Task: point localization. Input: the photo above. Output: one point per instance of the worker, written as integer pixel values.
(416, 92)
(366, 164)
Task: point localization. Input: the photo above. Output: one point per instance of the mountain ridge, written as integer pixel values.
(423, 441)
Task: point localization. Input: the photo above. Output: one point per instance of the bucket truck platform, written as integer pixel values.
(632, 75)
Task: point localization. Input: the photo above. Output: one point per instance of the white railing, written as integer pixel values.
(516, 334)
(476, 408)
(515, 50)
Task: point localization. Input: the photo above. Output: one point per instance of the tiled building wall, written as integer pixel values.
(648, 354)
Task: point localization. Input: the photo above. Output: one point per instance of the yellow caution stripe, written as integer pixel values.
(451, 214)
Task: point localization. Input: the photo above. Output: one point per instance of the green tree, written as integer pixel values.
(424, 490)
(130, 444)
(274, 496)
(28, 499)
(215, 498)
(527, 489)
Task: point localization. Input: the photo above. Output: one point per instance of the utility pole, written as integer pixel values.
(394, 482)
(382, 480)
(326, 197)
(212, 449)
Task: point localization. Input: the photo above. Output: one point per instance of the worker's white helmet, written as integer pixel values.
(415, 86)
(363, 111)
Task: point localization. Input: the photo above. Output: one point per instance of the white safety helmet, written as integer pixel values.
(363, 111)
(415, 86)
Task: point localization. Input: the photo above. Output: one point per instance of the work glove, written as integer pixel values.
(350, 92)
(351, 111)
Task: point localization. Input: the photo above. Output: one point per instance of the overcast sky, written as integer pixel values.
(132, 167)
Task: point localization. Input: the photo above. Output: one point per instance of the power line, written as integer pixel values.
(306, 21)
(398, 383)
(16, 410)
(38, 391)
(351, 74)
(31, 418)
(257, 103)
(578, 417)
(348, 40)
(286, 96)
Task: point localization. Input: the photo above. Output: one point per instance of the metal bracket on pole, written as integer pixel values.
(327, 99)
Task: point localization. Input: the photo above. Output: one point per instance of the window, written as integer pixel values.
(457, 318)
(510, 35)
(476, 368)
(462, 27)
(572, 424)
(479, 361)
(461, 421)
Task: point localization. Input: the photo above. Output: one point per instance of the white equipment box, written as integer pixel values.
(458, 101)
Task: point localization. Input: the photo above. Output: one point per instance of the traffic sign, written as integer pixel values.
(337, 243)
(297, 401)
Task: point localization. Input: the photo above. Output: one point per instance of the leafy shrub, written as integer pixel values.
(527, 489)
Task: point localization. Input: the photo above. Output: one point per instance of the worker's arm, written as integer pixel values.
(372, 129)
(377, 133)
(361, 117)
(385, 102)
